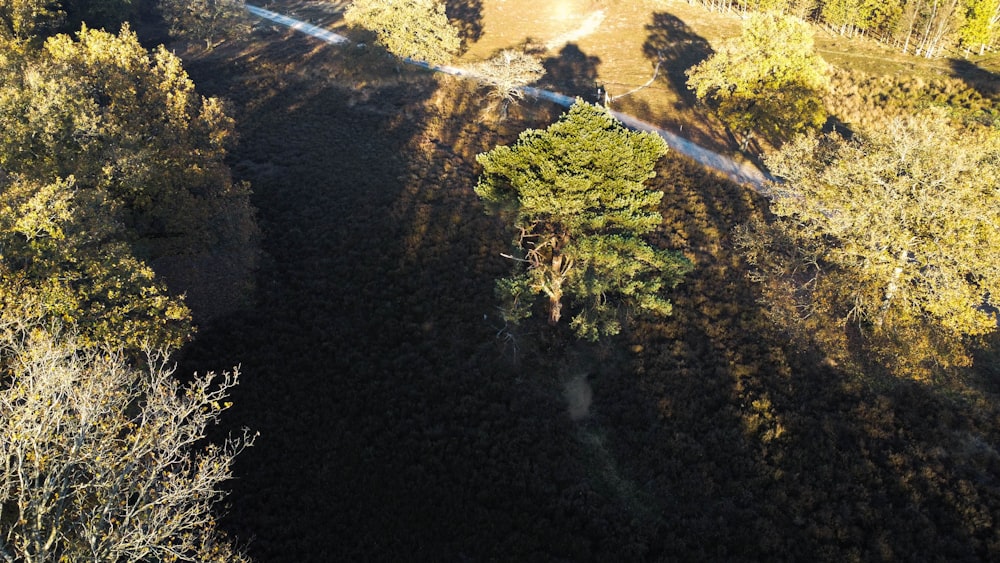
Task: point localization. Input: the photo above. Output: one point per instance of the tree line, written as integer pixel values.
(925, 28)
(211, 21)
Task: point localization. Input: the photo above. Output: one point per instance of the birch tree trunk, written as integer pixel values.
(892, 288)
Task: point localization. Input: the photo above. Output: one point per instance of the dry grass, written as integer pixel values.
(620, 53)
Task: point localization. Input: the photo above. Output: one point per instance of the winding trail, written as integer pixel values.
(741, 173)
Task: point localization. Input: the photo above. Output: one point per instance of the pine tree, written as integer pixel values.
(575, 194)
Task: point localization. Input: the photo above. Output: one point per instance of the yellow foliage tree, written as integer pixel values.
(22, 18)
(418, 29)
(108, 160)
(767, 81)
(62, 259)
(901, 225)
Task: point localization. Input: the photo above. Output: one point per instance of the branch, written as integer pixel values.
(515, 258)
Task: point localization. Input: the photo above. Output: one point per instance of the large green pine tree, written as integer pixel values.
(575, 194)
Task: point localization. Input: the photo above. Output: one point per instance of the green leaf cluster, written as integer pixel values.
(768, 81)
(417, 29)
(108, 160)
(575, 193)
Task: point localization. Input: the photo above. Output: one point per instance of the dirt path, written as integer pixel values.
(588, 26)
(741, 173)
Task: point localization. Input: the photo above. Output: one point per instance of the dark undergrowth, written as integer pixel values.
(400, 420)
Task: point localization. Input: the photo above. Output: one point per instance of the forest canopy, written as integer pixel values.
(109, 160)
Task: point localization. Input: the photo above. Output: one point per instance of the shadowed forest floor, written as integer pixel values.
(400, 421)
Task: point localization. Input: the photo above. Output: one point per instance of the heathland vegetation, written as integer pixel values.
(806, 372)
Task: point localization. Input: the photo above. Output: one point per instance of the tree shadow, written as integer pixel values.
(887, 470)
(979, 79)
(467, 15)
(108, 15)
(677, 48)
(749, 447)
(391, 430)
(573, 73)
(677, 417)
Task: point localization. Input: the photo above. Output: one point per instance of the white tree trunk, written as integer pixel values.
(892, 288)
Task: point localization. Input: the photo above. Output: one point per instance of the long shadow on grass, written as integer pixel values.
(737, 445)
(677, 48)
(679, 420)
(572, 72)
(983, 81)
(467, 15)
(322, 352)
(892, 472)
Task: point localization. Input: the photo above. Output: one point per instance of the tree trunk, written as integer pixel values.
(892, 288)
(555, 309)
(555, 291)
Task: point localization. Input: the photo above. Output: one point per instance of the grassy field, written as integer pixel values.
(588, 44)
(400, 420)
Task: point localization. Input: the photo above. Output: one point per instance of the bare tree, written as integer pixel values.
(102, 461)
(507, 74)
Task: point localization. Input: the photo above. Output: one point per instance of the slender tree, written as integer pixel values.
(842, 15)
(575, 194)
(981, 27)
